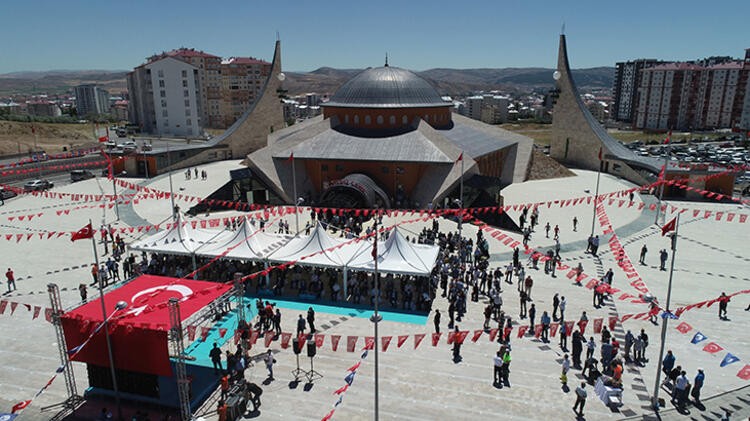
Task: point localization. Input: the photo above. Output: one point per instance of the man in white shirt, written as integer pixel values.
(580, 399)
(679, 393)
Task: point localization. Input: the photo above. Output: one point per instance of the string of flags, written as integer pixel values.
(35, 311)
(62, 155)
(714, 348)
(92, 164)
(351, 372)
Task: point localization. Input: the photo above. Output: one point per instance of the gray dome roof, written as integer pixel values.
(386, 87)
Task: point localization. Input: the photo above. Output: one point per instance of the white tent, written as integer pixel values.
(397, 255)
(328, 251)
(249, 244)
(180, 239)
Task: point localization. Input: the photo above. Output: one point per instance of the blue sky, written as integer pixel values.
(419, 35)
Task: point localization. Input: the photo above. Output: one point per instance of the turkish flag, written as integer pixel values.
(401, 340)
(612, 322)
(493, 334)
(20, 406)
(435, 338)
(669, 226)
(744, 374)
(538, 331)
(712, 348)
(85, 232)
(191, 333)
(522, 331)
(319, 338)
(222, 332)
(506, 332)
(369, 342)
(598, 325)
(684, 328)
(582, 325)
(204, 333)
(553, 329)
(477, 335)
(268, 338)
(285, 338)
(451, 337)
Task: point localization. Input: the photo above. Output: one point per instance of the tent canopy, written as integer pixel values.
(248, 243)
(316, 249)
(398, 255)
(181, 238)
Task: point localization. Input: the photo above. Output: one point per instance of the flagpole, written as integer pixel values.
(596, 194)
(664, 176)
(294, 191)
(461, 204)
(106, 327)
(664, 321)
(375, 319)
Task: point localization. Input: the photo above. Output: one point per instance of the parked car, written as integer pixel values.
(79, 175)
(37, 185)
(6, 194)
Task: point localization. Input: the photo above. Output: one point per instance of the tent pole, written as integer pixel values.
(346, 297)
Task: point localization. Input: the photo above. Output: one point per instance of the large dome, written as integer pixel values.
(386, 87)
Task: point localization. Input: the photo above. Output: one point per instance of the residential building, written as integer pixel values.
(489, 108)
(627, 77)
(43, 108)
(241, 83)
(165, 97)
(91, 100)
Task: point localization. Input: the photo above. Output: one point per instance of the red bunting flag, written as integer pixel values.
(612, 322)
(522, 331)
(37, 310)
(3, 305)
(744, 374)
(553, 329)
(451, 336)
(435, 338)
(460, 157)
(285, 338)
(684, 328)
(493, 334)
(369, 342)
(506, 333)
(477, 335)
(341, 390)
(301, 339)
(335, 342)
(354, 367)
(319, 339)
(267, 339)
(385, 341)
(191, 333)
(222, 332)
(568, 328)
(712, 348)
(204, 333)
(401, 340)
(582, 326)
(418, 339)
(20, 406)
(48, 315)
(598, 323)
(669, 226)
(538, 331)
(351, 343)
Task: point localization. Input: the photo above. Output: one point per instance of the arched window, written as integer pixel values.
(379, 120)
(368, 120)
(427, 118)
(346, 118)
(392, 120)
(434, 118)
(356, 119)
(404, 120)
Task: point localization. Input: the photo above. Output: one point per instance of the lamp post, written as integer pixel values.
(297, 202)
(114, 189)
(376, 318)
(121, 305)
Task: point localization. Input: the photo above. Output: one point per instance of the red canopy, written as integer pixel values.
(138, 333)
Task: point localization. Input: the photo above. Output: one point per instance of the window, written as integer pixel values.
(379, 120)
(184, 83)
(163, 93)
(346, 118)
(164, 103)
(160, 73)
(184, 73)
(187, 102)
(161, 83)
(324, 168)
(189, 122)
(404, 120)
(356, 119)
(368, 120)
(392, 120)
(164, 113)
(187, 93)
(166, 123)
(339, 168)
(384, 170)
(187, 111)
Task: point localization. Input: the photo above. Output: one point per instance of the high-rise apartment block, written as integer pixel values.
(224, 90)
(627, 75)
(91, 100)
(490, 109)
(713, 93)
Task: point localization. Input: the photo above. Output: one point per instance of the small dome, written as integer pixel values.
(386, 87)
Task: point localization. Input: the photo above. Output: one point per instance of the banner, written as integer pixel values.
(335, 342)
(385, 341)
(435, 338)
(285, 338)
(351, 343)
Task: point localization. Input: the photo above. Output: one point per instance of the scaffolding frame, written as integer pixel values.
(74, 399)
(177, 347)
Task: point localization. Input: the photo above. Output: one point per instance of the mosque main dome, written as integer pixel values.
(386, 87)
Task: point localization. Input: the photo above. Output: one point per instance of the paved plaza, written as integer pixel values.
(423, 384)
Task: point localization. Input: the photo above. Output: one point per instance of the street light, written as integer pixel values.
(460, 204)
(114, 188)
(296, 211)
(121, 305)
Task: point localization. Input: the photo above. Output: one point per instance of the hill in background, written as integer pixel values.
(454, 82)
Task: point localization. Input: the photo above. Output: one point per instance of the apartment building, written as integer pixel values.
(241, 82)
(91, 100)
(625, 87)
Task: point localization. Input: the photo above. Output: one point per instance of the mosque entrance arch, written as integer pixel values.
(356, 190)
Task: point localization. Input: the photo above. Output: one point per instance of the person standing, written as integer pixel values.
(663, 259)
(546, 230)
(498, 364)
(629, 339)
(82, 290)
(679, 390)
(11, 280)
(456, 345)
(555, 305)
(436, 320)
(580, 399)
(557, 232)
(565, 369)
(301, 325)
(575, 223)
(545, 320)
(697, 385)
(532, 315)
(311, 319)
(277, 322)
(563, 335)
(269, 360)
(644, 250)
(563, 304)
(590, 347)
(723, 302)
(644, 340)
(215, 355)
(668, 363)
(578, 341)
(528, 283)
(523, 298)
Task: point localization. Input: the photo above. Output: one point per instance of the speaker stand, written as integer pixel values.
(298, 372)
(312, 374)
